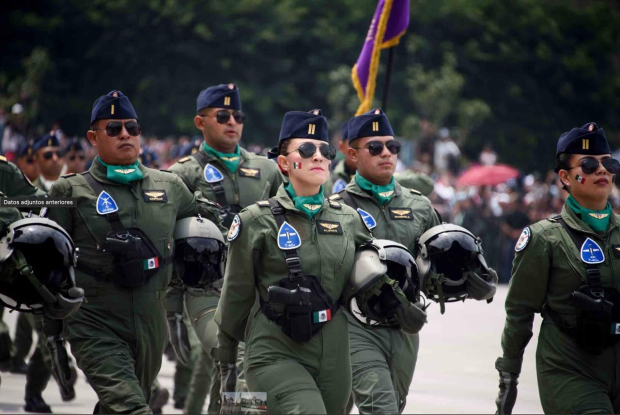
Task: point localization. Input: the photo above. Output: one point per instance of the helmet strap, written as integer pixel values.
(24, 269)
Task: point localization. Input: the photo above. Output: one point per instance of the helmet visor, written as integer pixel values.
(447, 241)
(43, 235)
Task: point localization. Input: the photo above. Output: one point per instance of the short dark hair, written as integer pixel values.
(283, 147)
(563, 160)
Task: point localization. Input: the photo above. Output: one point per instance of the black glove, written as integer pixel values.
(179, 337)
(507, 396)
(478, 288)
(60, 365)
(411, 318)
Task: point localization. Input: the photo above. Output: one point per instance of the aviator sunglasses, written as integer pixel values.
(590, 165)
(222, 116)
(49, 154)
(114, 128)
(307, 150)
(376, 147)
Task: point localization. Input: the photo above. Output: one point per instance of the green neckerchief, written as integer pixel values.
(123, 174)
(382, 193)
(596, 219)
(231, 160)
(310, 205)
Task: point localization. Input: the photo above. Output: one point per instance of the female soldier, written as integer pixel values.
(295, 249)
(568, 268)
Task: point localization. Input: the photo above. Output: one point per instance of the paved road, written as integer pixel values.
(455, 371)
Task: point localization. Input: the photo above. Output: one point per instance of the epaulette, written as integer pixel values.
(166, 171)
(335, 196)
(3, 159)
(554, 219)
(66, 176)
(334, 204)
(263, 203)
(184, 159)
(415, 192)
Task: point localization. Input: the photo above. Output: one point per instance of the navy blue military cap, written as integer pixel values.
(48, 140)
(299, 124)
(589, 139)
(26, 149)
(373, 123)
(219, 96)
(74, 145)
(114, 106)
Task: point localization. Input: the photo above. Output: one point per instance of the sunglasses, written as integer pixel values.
(376, 147)
(72, 158)
(30, 160)
(590, 165)
(222, 116)
(114, 128)
(49, 154)
(307, 150)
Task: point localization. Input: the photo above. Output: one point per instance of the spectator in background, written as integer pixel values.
(447, 154)
(488, 156)
(13, 132)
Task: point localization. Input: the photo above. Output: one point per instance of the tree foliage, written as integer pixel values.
(514, 74)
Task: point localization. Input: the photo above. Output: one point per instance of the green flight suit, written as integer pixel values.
(118, 336)
(418, 181)
(256, 178)
(383, 360)
(340, 176)
(310, 377)
(14, 183)
(544, 273)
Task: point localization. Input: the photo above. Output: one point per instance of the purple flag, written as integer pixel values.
(388, 24)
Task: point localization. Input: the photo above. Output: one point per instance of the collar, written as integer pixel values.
(595, 219)
(383, 194)
(287, 203)
(310, 205)
(100, 172)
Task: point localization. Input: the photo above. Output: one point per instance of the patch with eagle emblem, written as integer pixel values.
(245, 172)
(329, 228)
(124, 171)
(401, 214)
(154, 196)
(599, 215)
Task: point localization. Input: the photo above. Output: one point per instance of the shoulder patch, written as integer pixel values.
(415, 192)
(263, 203)
(524, 239)
(66, 176)
(235, 229)
(3, 159)
(184, 159)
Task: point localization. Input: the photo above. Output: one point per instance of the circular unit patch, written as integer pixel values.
(524, 239)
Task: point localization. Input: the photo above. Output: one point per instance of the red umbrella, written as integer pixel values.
(487, 175)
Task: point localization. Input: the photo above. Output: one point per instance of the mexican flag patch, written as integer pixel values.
(150, 263)
(321, 316)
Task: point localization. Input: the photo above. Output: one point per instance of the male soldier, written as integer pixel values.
(26, 162)
(48, 157)
(234, 178)
(123, 224)
(345, 169)
(382, 359)
(75, 156)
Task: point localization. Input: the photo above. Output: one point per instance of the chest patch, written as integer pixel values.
(212, 175)
(524, 239)
(591, 253)
(329, 228)
(154, 196)
(245, 172)
(288, 237)
(106, 204)
(401, 214)
(369, 221)
(339, 186)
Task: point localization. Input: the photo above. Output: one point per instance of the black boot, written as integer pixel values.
(37, 404)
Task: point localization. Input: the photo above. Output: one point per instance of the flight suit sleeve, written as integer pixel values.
(62, 215)
(526, 296)
(191, 204)
(174, 300)
(20, 186)
(362, 234)
(239, 291)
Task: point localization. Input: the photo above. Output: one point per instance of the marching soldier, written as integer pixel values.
(227, 174)
(295, 251)
(566, 268)
(49, 158)
(123, 225)
(383, 359)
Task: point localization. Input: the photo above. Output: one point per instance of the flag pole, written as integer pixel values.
(388, 79)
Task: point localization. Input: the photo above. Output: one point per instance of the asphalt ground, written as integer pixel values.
(455, 372)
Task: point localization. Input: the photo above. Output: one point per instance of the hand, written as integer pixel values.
(507, 396)
(411, 318)
(478, 288)
(60, 365)
(179, 337)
